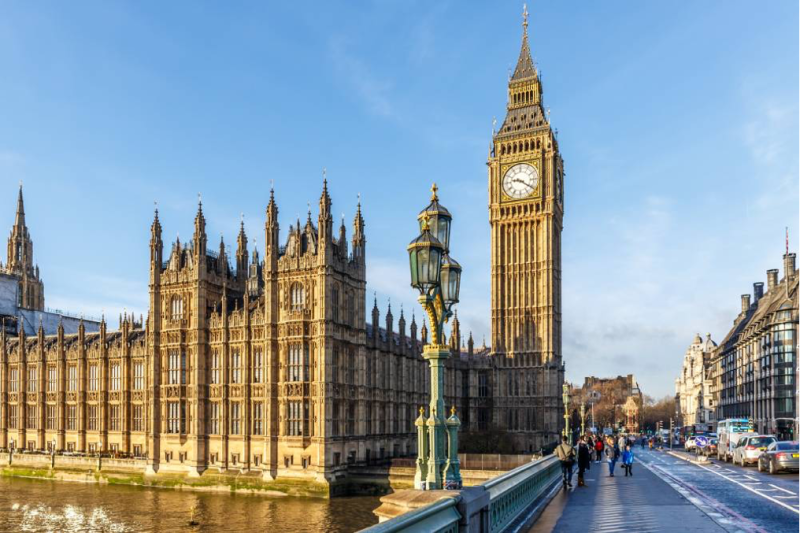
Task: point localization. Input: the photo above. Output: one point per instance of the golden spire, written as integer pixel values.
(525, 18)
(434, 196)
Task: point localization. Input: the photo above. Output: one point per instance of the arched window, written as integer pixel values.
(298, 297)
(176, 308)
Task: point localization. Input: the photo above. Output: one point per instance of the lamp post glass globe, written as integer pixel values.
(425, 261)
(438, 219)
(450, 280)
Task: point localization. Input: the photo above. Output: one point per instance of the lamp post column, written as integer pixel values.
(437, 457)
(565, 397)
(583, 419)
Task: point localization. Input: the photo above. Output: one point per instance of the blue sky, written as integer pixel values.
(678, 124)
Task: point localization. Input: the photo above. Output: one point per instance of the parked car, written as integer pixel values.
(689, 445)
(780, 455)
(711, 449)
(750, 447)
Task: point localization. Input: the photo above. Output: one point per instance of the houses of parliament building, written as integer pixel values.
(278, 364)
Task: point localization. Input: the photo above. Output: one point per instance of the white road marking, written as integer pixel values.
(782, 504)
(717, 511)
(746, 486)
(784, 490)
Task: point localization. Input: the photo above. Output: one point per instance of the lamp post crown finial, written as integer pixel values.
(434, 190)
(425, 222)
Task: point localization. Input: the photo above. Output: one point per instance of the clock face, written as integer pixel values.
(520, 181)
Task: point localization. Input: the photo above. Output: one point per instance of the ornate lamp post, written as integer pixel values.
(565, 397)
(583, 418)
(437, 277)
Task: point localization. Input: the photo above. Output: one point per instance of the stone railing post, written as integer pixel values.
(452, 476)
(422, 451)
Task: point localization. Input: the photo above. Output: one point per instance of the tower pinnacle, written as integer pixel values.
(525, 67)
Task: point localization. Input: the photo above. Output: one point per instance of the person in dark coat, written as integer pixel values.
(584, 460)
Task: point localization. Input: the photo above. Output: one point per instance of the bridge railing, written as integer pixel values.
(439, 517)
(487, 508)
(512, 493)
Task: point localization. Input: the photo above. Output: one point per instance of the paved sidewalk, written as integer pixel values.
(642, 503)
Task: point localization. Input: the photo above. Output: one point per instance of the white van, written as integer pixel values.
(729, 432)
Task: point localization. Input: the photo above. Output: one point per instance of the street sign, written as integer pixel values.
(701, 442)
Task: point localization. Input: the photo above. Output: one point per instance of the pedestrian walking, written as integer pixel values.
(598, 447)
(566, 454)
(612, 454)
(584, 460)
(627, 461)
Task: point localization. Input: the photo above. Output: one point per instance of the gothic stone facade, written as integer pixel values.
(526, 209)
(261, 365)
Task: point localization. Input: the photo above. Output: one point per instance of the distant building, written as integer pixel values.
(612, 402)
(754, 367)
(694, 402)
(22, 290)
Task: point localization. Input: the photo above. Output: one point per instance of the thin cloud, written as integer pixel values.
(356, 73)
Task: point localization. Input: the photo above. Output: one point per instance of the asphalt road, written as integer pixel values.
(738, 499)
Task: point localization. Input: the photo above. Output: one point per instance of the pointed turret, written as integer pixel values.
(525, 112)
(413, 329)
(200, 231)
(455, 334)
(271, 230)
(401, 324)
(525, 67)
(156, 245)
(241, 252)
(359, 239)
(19, 261)
(389, 324)
(19, 219)
(20, 247)
(342, 242)
(222, 263)
(423, 333)
(401, 331)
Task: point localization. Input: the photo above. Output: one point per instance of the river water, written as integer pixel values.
(43, 506)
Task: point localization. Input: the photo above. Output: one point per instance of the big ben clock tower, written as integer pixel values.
(526, 209)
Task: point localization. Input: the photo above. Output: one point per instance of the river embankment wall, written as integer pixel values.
(360, 480)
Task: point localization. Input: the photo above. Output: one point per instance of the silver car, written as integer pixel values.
(749, 448)
(779, 456)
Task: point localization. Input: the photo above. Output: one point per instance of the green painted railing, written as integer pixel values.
(514, 492)
(438, 517)
(510, 495)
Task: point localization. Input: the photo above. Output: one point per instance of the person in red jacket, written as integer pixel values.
(598, 447)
